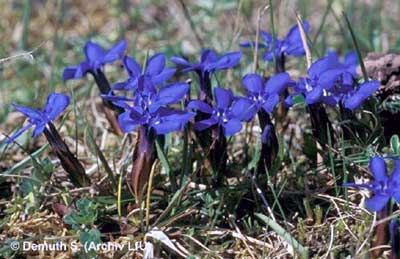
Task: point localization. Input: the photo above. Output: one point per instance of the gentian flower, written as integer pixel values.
(96, 58)
(42, 120)
(265, 95)
(383, 186)
(55, 105)
(148, 107)
(354, 98)
(155, 72)
(209, 63)
(331, 82)
(291, 45)
(322, 76)
(228, 111)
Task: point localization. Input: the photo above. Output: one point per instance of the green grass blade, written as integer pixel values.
(284, 234)
(353, 37)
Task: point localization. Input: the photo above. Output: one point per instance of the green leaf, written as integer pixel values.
(395, 144)
(91, 236)
(284, 234)
(86, 214)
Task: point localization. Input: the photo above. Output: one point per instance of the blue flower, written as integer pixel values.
(354, 98)
(209, 62)
(148, 107)
(96, 58)
(265, 95)
(155, 72)
(322, 76)
(331, 82)
(56, 104)
(228, 111)
(291, 45)
(383, 186)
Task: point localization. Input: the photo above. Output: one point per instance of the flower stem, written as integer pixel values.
(320, 124)
(110, 110)
(69, 162)
(270, 146)
(381, 237)
(143, 159)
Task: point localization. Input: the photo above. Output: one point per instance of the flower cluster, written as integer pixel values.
(148, 107)
(291, 45)
(332, 82)
(265, 95)
(40, 118)
(96, 58)
(209, 62)
(229, 111)
(383, 186)
(154, 72)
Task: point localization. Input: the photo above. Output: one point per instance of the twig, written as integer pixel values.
(192, 25)
(29, 54)
(261, 12)
(330, 242)
(304, 40)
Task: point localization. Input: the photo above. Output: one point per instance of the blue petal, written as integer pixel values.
(277, 83)
(223, 97)
(69, 73)
(18, 133)
(232, 127)
(170, 94)
(30, 113)
(314, 95)
(208, 56)
(82, 69)
(173, 122)
(270, 103)
(395, 176)
(38, 130)
(116, 52)
(180, 61)
(294, 32)
(201, 106)
(378, 168)
(163, 76)
(328, 78)
(119, 101)
(351, 58)
(166, 127)
(266, 135)
(267, 37)
(120, 86)
(226, 61)
(126, 123)
(252, 44)
(204, 124)
(289, 101)
(133, 68)
(253, 83)
(155, 65)
(56, 104)
(268, 55)
(322, 65)
(377, 202)
(357, 185)
(243, 109)
(94, 52)
(364, 91)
